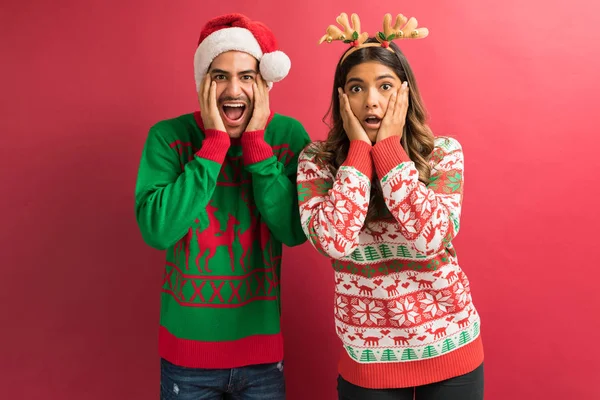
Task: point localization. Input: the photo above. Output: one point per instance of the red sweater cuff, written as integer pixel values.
(254, 147)
(359, 157)
(214, 146)
(388, 154)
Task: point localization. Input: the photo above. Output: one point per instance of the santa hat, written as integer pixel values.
(237, 32)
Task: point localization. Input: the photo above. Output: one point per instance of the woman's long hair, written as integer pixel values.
(417, 138)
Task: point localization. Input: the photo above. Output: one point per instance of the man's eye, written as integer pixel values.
(247, 77)
(219, 77)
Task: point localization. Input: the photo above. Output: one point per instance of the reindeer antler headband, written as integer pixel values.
(403, 28)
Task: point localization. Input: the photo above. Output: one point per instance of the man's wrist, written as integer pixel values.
(254, 147)
(257, 127)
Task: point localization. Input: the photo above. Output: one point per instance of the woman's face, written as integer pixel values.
(369, 86)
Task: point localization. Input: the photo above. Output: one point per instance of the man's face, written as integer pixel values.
(234, 72)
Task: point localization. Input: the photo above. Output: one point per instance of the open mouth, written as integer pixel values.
(233, 112)
(372, 122)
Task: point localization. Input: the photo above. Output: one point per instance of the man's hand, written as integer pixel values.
(208, 105)
(395, 115)
(261, 110)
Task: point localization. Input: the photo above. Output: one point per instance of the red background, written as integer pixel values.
(82, 81)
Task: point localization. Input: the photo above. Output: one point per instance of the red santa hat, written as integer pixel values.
(237, 32)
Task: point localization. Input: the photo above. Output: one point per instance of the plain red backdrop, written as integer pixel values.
(82, 81)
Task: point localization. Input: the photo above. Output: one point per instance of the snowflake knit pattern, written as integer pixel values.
(403, 307)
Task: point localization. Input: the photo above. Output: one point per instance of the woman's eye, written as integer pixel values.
(386, 86)
(355, 89)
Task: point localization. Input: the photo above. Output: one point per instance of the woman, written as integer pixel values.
(382, 198)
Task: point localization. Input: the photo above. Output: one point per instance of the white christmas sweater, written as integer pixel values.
(403, 307)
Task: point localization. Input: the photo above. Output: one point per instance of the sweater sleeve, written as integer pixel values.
(169, 195)
(274, 181)
(333, 208)
(428, 216)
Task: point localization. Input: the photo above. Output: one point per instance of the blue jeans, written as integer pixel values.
(254, 382)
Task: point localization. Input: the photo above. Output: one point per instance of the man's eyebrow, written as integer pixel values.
(218, 71)
(222, 72)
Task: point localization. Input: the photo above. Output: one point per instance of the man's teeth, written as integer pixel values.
(233, 105)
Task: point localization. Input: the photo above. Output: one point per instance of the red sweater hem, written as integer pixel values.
(214, 146)
(254, 147)
(412, 373)
(253, 350)
(359, 157)
(388, 154)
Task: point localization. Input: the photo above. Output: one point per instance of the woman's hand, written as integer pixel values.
(352, 125)
(394, 119)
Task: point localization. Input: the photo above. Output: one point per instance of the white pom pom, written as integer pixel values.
(275, 66)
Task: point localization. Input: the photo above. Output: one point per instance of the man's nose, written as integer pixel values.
(234, 88)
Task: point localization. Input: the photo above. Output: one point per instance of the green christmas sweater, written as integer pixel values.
(221, 208)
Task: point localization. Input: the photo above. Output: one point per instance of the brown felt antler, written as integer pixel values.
(350, 34)
(403, 28)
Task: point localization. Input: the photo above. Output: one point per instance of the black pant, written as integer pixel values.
(464, 387)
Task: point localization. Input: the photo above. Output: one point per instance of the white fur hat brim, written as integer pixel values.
(273, 66)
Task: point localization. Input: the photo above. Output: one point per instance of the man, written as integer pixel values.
(216, 190)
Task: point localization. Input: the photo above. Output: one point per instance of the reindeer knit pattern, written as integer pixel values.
(403, 307)
(221, 208)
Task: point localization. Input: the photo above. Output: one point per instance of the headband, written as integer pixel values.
(403, 28)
